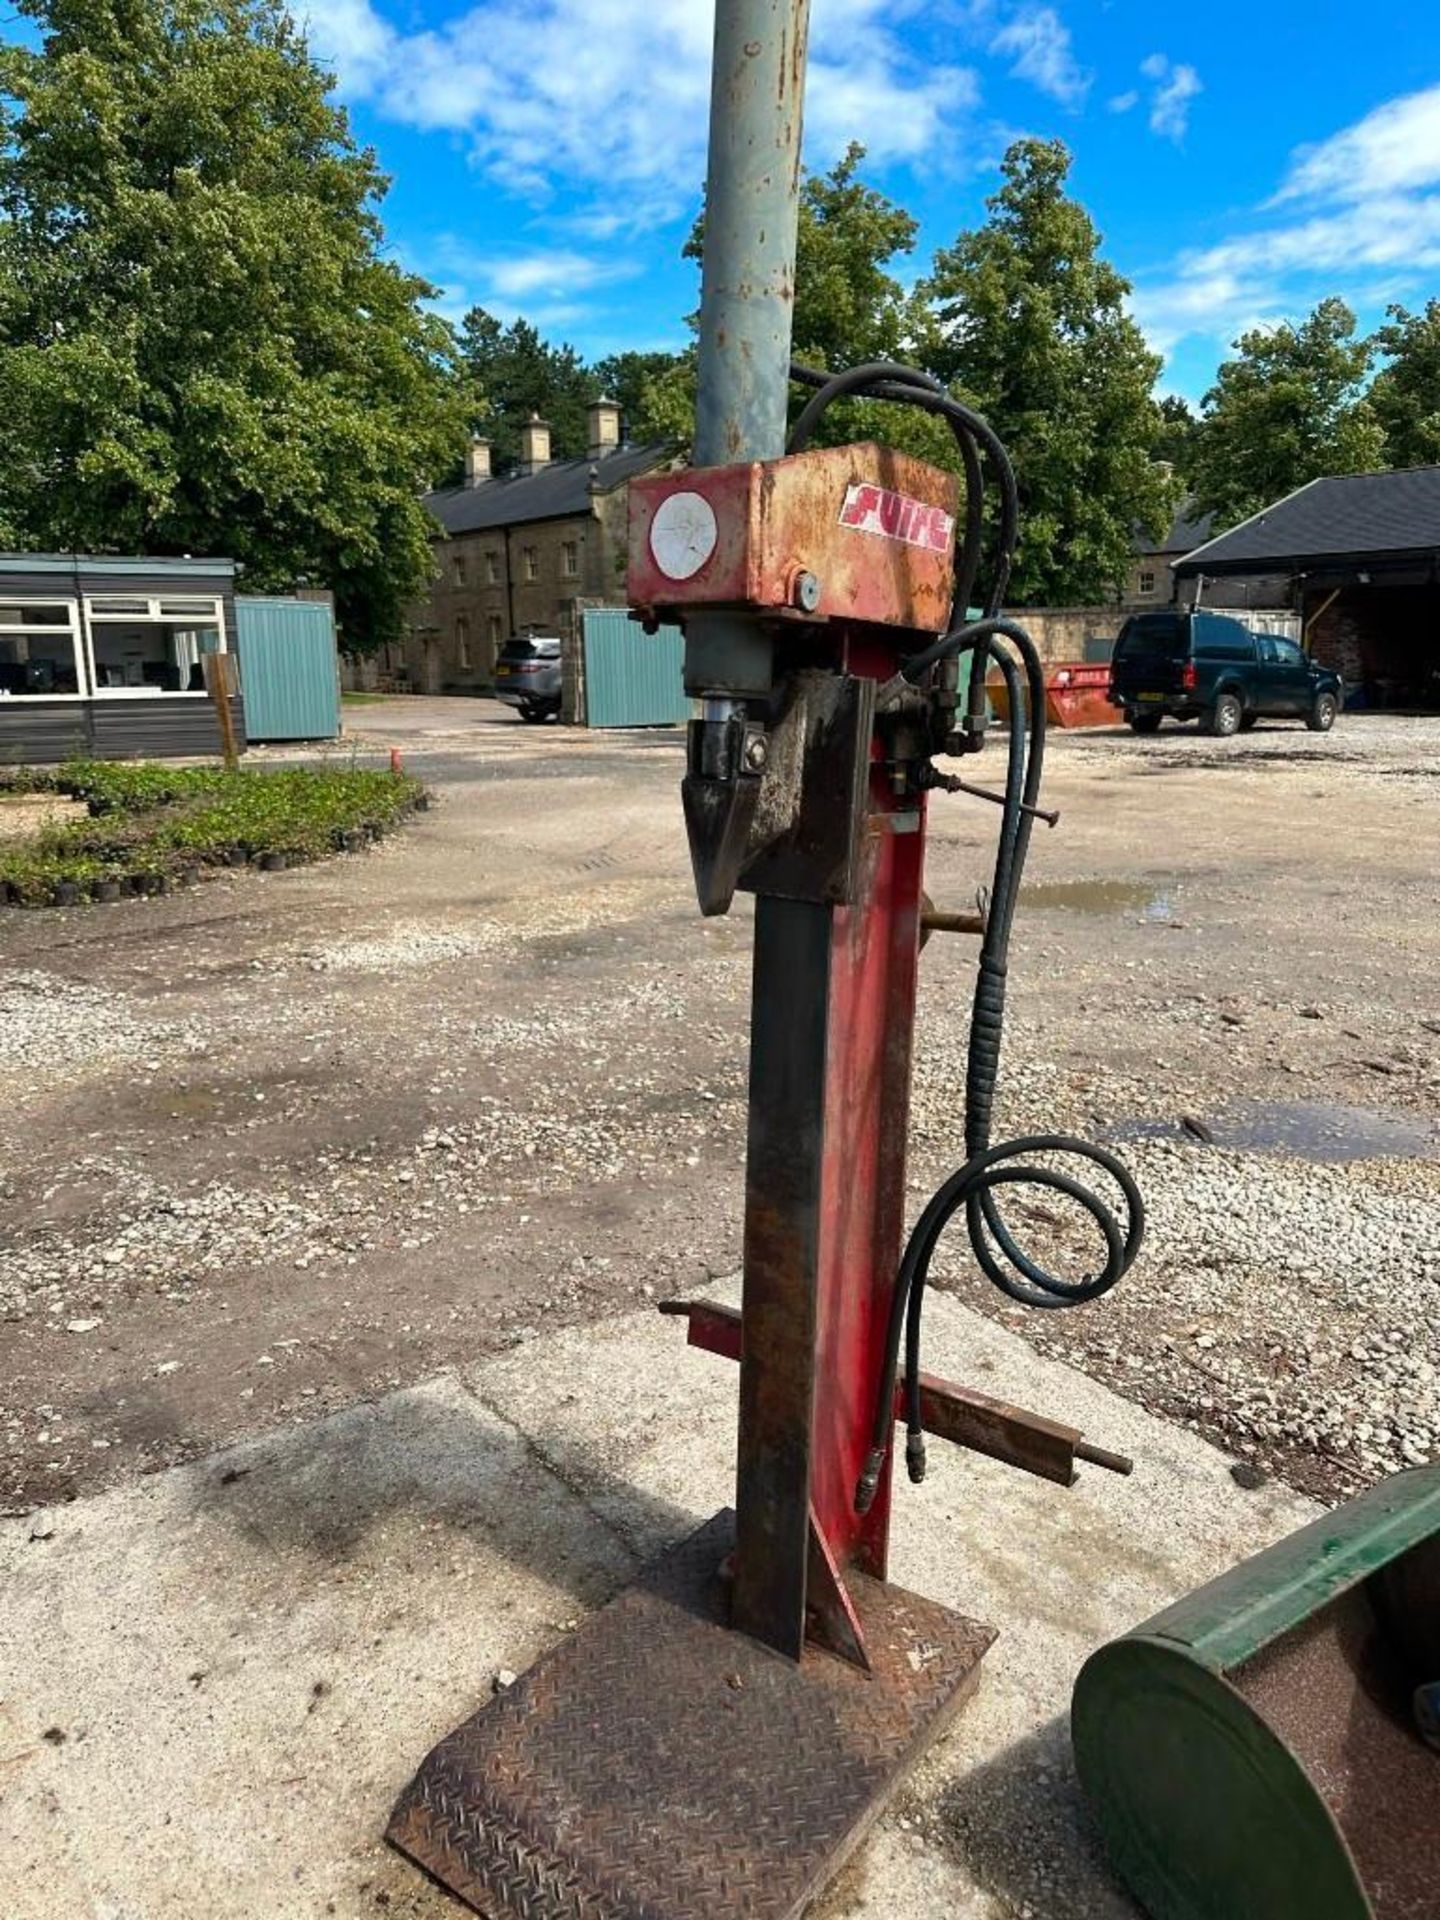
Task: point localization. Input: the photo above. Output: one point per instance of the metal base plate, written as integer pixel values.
(658, 1766)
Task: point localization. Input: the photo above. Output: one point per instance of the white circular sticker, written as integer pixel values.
(683, 534)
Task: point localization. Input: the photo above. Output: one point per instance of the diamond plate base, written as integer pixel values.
(657, 1766)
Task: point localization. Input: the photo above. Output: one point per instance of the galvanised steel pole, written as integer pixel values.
(751, 200)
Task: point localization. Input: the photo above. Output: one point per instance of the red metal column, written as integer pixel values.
(873, 970)
(832, 1024)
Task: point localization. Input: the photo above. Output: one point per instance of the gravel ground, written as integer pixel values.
(284, 1141)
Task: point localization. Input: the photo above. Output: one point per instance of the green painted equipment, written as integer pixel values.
(1253, 1752)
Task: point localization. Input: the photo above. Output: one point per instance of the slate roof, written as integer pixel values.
(1346, 518)
(1183, 533)
(554, 493)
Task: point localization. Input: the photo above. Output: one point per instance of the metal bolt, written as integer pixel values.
(806, 592)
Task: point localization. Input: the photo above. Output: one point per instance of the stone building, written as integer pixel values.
(1152, 580)
(523, 552)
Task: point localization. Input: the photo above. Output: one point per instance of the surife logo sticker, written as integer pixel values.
(895, 516)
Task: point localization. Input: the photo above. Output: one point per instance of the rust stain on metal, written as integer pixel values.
(951, 1412)
(830, 1617)
(1335, 1693)
(654, 1766)
(782, 516)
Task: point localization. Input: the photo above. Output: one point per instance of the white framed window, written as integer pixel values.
(41, 657)
(1147, 583)
(462, 642)
(570, 558)
(492, 569)
(530, 561)
(494, 632)
(139, 645)
(457, 569)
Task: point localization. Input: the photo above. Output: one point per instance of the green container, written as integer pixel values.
(632, 678)
(289, 669)
(1251, 1753)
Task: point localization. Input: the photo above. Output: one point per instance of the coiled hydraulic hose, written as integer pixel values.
(987, 1168)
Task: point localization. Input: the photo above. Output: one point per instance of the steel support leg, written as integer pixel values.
(832, 1019)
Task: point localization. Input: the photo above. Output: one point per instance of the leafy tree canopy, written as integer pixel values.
(1287, 409)
(515, 373)
(1174, 440)
(201, 347)
(1030, 325)
(626, 378)
(849, 307)
(1405, 397)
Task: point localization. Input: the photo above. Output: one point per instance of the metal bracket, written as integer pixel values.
(805, 834)
(993, 1427)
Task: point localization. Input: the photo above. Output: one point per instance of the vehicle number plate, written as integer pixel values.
(1149, 696)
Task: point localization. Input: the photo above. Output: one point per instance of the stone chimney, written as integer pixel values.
(602, 420)
(534, 444)
(477, 462)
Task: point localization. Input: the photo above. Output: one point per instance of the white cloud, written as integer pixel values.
(545, 285)
(1394, 149)
(1371, 232)
(1043, 54)
(552, 271)
(1176, 85)
(1123, 102)
(611, 98)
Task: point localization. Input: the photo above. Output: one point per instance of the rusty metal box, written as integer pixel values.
(859, 532)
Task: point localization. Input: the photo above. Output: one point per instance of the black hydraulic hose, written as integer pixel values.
(987, 1167)
(907, 387)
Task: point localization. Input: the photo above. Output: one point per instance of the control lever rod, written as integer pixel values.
(953, 784)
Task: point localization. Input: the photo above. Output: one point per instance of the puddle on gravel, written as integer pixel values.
(1309, 1129)
(1153, 898)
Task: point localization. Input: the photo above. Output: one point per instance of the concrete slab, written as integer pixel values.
(214, 1683)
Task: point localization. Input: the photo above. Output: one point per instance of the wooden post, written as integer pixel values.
(222, 683)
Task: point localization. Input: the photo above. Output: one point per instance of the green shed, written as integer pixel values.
(632, 678)
(289, 677)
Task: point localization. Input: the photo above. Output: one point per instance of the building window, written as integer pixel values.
(140, 646)
(1147, 583)
(570, 558)
(530, 562)
(462, 643)
(457, 569)
(39, 649)
(494, 632)
(492, 569)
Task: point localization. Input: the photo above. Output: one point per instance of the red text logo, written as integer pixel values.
(895, 516)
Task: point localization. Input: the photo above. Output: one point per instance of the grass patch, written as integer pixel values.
(363, 699)
(151, 827)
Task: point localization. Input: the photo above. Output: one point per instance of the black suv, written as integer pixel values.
(528, 675)
(1203, 666)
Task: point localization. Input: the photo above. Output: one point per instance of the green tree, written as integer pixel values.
(627, 378)
(1030, 325)
(516, 373)
(1174, 442)
(201, 348)
(1287, 409)
(1405, 396)
(849, 307)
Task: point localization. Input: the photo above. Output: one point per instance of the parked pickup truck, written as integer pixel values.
(1206, 667)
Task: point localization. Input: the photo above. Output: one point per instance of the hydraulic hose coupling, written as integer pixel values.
(869, 1481)
(915, 1456)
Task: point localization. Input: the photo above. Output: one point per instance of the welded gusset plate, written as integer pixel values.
(658, 1766)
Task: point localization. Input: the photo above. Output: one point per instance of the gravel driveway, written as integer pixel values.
(274, 1144)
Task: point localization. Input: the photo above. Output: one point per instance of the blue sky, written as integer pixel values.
(1241, 160)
